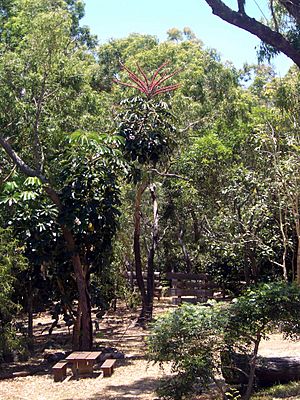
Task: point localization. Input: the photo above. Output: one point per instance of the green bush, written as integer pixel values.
(192, 337)
(189, 338)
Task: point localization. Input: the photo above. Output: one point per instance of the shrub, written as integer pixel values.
(189, 338)
(192, 337)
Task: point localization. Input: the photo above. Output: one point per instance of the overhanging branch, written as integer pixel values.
(255, 27)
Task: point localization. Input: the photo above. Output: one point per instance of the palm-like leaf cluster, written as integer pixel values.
(150, 86)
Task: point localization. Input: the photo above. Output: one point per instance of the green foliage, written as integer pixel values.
(189, 337)
(148, 130)
(192, 337)
(261, 310)
(12, 262)
(233, 394)
(90, 195)
(289, 390)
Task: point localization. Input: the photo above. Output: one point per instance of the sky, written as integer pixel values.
(118, 18)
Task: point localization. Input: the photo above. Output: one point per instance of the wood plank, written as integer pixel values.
(93, 355)
(73, 355)
(178, 284)
(191, 292)
(184, 276)
(78, 355)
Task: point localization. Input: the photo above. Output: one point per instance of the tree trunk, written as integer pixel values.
(252, 367)
(83, 328)
(195, 226)
(268, 371)
(298, 260)
(254, 266)
(282, 225)
(151, 254)
(84, 337)
(137, 247)
(30, 315)
(295, 210)
(184, 249)
(247, 270)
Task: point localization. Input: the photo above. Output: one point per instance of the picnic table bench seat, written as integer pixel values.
(108, 367)
(60, 370)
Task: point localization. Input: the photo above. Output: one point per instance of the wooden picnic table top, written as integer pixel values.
(83, 355)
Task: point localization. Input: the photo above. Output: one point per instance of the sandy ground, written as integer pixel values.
(276, 346)
(134, 377)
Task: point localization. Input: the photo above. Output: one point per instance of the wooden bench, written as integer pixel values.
(108, 367)
(60, 371)
(192, 288)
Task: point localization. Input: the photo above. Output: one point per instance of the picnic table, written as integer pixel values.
(83, 361)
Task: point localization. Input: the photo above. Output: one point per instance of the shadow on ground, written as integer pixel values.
(134, 390)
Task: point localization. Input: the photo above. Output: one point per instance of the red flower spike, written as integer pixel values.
(150, 87)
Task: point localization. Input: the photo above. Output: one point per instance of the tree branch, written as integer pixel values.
(274, 16)
(255, 27)
(28, 171)
(8, 176)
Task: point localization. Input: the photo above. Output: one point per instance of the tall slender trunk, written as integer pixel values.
(247, 269)
(282, 226)
(151, 254)
(195, 226)
(298, 260)
(297, 226)
(254, 265)
(83, 337)
(141, 187)
(30, 315)
(184, 249)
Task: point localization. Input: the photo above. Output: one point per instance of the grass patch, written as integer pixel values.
(288, 390)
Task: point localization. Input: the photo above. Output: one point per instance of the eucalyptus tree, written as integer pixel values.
(279, 143)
